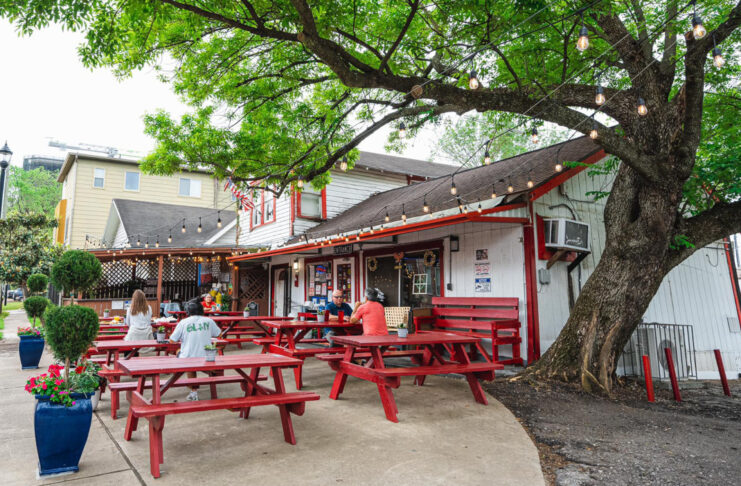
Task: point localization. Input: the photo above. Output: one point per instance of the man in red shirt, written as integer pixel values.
(371, 314)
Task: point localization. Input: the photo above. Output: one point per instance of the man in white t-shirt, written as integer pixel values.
(194, 333)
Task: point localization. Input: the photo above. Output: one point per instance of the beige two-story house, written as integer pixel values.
(90, 183)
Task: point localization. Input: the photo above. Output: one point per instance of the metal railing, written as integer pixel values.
(651, 339)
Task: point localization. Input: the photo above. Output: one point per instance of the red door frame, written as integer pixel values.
(734, 277)
(272, 284)
(531, 289)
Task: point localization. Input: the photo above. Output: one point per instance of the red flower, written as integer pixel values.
(43, 385)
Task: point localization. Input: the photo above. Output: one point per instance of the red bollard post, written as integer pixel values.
(722, 371)
(649, 380)
(672, 374)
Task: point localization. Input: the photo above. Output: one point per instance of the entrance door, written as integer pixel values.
(281, 302)
(253, 287)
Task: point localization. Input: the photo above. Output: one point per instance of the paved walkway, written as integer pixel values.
(443, 437)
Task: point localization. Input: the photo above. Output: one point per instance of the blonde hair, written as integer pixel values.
(138, 303)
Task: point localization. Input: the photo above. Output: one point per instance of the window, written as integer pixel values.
(98, 178)
(311, 203)
(131, 182)
(190, 187)
(256, 216)
(268, 207)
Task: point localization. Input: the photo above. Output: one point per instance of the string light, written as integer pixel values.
(182, 230)
(218, 221)
(487, 157)
(534, 135)
(493, 192)
(343, 164)
(138, 242)
(157, 243)
(593, 134)
(357, 237)
(403, 215)
(453, 189)
(479, 208)
(372, 230)
(402, 130)
(558, 167)
(530, 182)
(300, 183)
(698, 30)
(460, 204)
(200, 228)
(169, 238)
(582, 42)
(425, 207)
(510, 189)
(386, 218)
(473, 80)
(146, 245)
(599, 97)
(347, 238)
(718, 60)
(642, 110)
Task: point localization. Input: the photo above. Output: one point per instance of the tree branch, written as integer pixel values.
(410, 17)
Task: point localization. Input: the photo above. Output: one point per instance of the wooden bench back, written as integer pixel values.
(476, 308)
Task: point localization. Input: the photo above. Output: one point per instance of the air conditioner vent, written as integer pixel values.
(566, 234)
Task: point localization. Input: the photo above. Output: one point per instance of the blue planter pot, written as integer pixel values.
(61, 433)
(30, 349)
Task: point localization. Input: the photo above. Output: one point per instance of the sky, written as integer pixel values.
(47, 94)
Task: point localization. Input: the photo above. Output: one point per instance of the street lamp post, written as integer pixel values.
(5, 155)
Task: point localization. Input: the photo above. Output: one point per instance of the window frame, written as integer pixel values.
(94, 178)
(260, 206)
(190, 187)
(138, 181)
(323, 206)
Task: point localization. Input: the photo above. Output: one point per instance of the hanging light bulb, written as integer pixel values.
(402, 130)
(698, 30)
(453, 189)
(582, 43)
(530, 182)
(425, 207)
(473, 80)
(558, 167)
(718, 60)
(372, 230)
(403, 215)
(169, 238)
(599, 98)
(593, 134)
(534, 135)
(300, 183)
(218, 221)
(146, 245)
(642, 110)
(200, 228)
(460, 204)
(347, 238)
(357, 237)
(479, 208)
(510, 189)
(487, 157)
(157, 243)
(343, 164)
(493, 192)
(182, 230)
(386, 218)
(138, 242)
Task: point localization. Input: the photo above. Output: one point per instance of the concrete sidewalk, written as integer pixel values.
(443, 437)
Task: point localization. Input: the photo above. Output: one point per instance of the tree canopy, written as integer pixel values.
(26, 247)
(34, 191)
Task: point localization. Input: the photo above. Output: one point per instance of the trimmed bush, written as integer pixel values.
(76, 271)
(70, 331)
(37, 283)
(35, 307)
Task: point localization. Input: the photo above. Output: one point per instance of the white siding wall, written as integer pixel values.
(696, 292)
(121, 238)
(269, 234)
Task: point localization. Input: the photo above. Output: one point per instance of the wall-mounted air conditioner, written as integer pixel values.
(566, 234)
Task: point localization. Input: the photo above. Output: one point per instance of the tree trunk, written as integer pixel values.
(639, 220)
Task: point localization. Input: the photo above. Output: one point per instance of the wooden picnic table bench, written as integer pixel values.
(288, 334)
(495, 318)
(430, 362)
(154, 409)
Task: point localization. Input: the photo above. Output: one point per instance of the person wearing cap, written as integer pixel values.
(371, 314)
(338, 304)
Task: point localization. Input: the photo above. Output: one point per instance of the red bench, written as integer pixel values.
(495, 318)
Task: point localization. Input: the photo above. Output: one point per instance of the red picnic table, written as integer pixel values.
(228, 325)
(429, 362)
(290, 333)
(255, 394)
(223, 313)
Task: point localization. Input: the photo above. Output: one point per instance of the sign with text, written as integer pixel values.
(342, 249)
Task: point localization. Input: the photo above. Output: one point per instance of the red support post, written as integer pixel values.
(649, 380)
(672, 374)
(722, 371)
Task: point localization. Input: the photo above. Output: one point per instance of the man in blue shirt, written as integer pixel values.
(334, 308)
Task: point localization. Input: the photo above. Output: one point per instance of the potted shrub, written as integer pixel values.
(64, 413)
(246, 312)
(161, 334)
(30, 347)
(106, 312)
(210, 352)
(76, 271)
(402, 330)
(226, 302)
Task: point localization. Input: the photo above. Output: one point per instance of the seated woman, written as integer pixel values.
(208, 304)
(139, 319)
(371, 314)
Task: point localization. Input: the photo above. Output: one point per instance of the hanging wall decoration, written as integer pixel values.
(429, 258)
(372, 264)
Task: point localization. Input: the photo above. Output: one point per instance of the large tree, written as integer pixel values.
(284, 89)
(35, 191)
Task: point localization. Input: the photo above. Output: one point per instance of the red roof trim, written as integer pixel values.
(566, 175)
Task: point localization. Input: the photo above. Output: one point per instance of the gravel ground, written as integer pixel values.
(589, 440)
